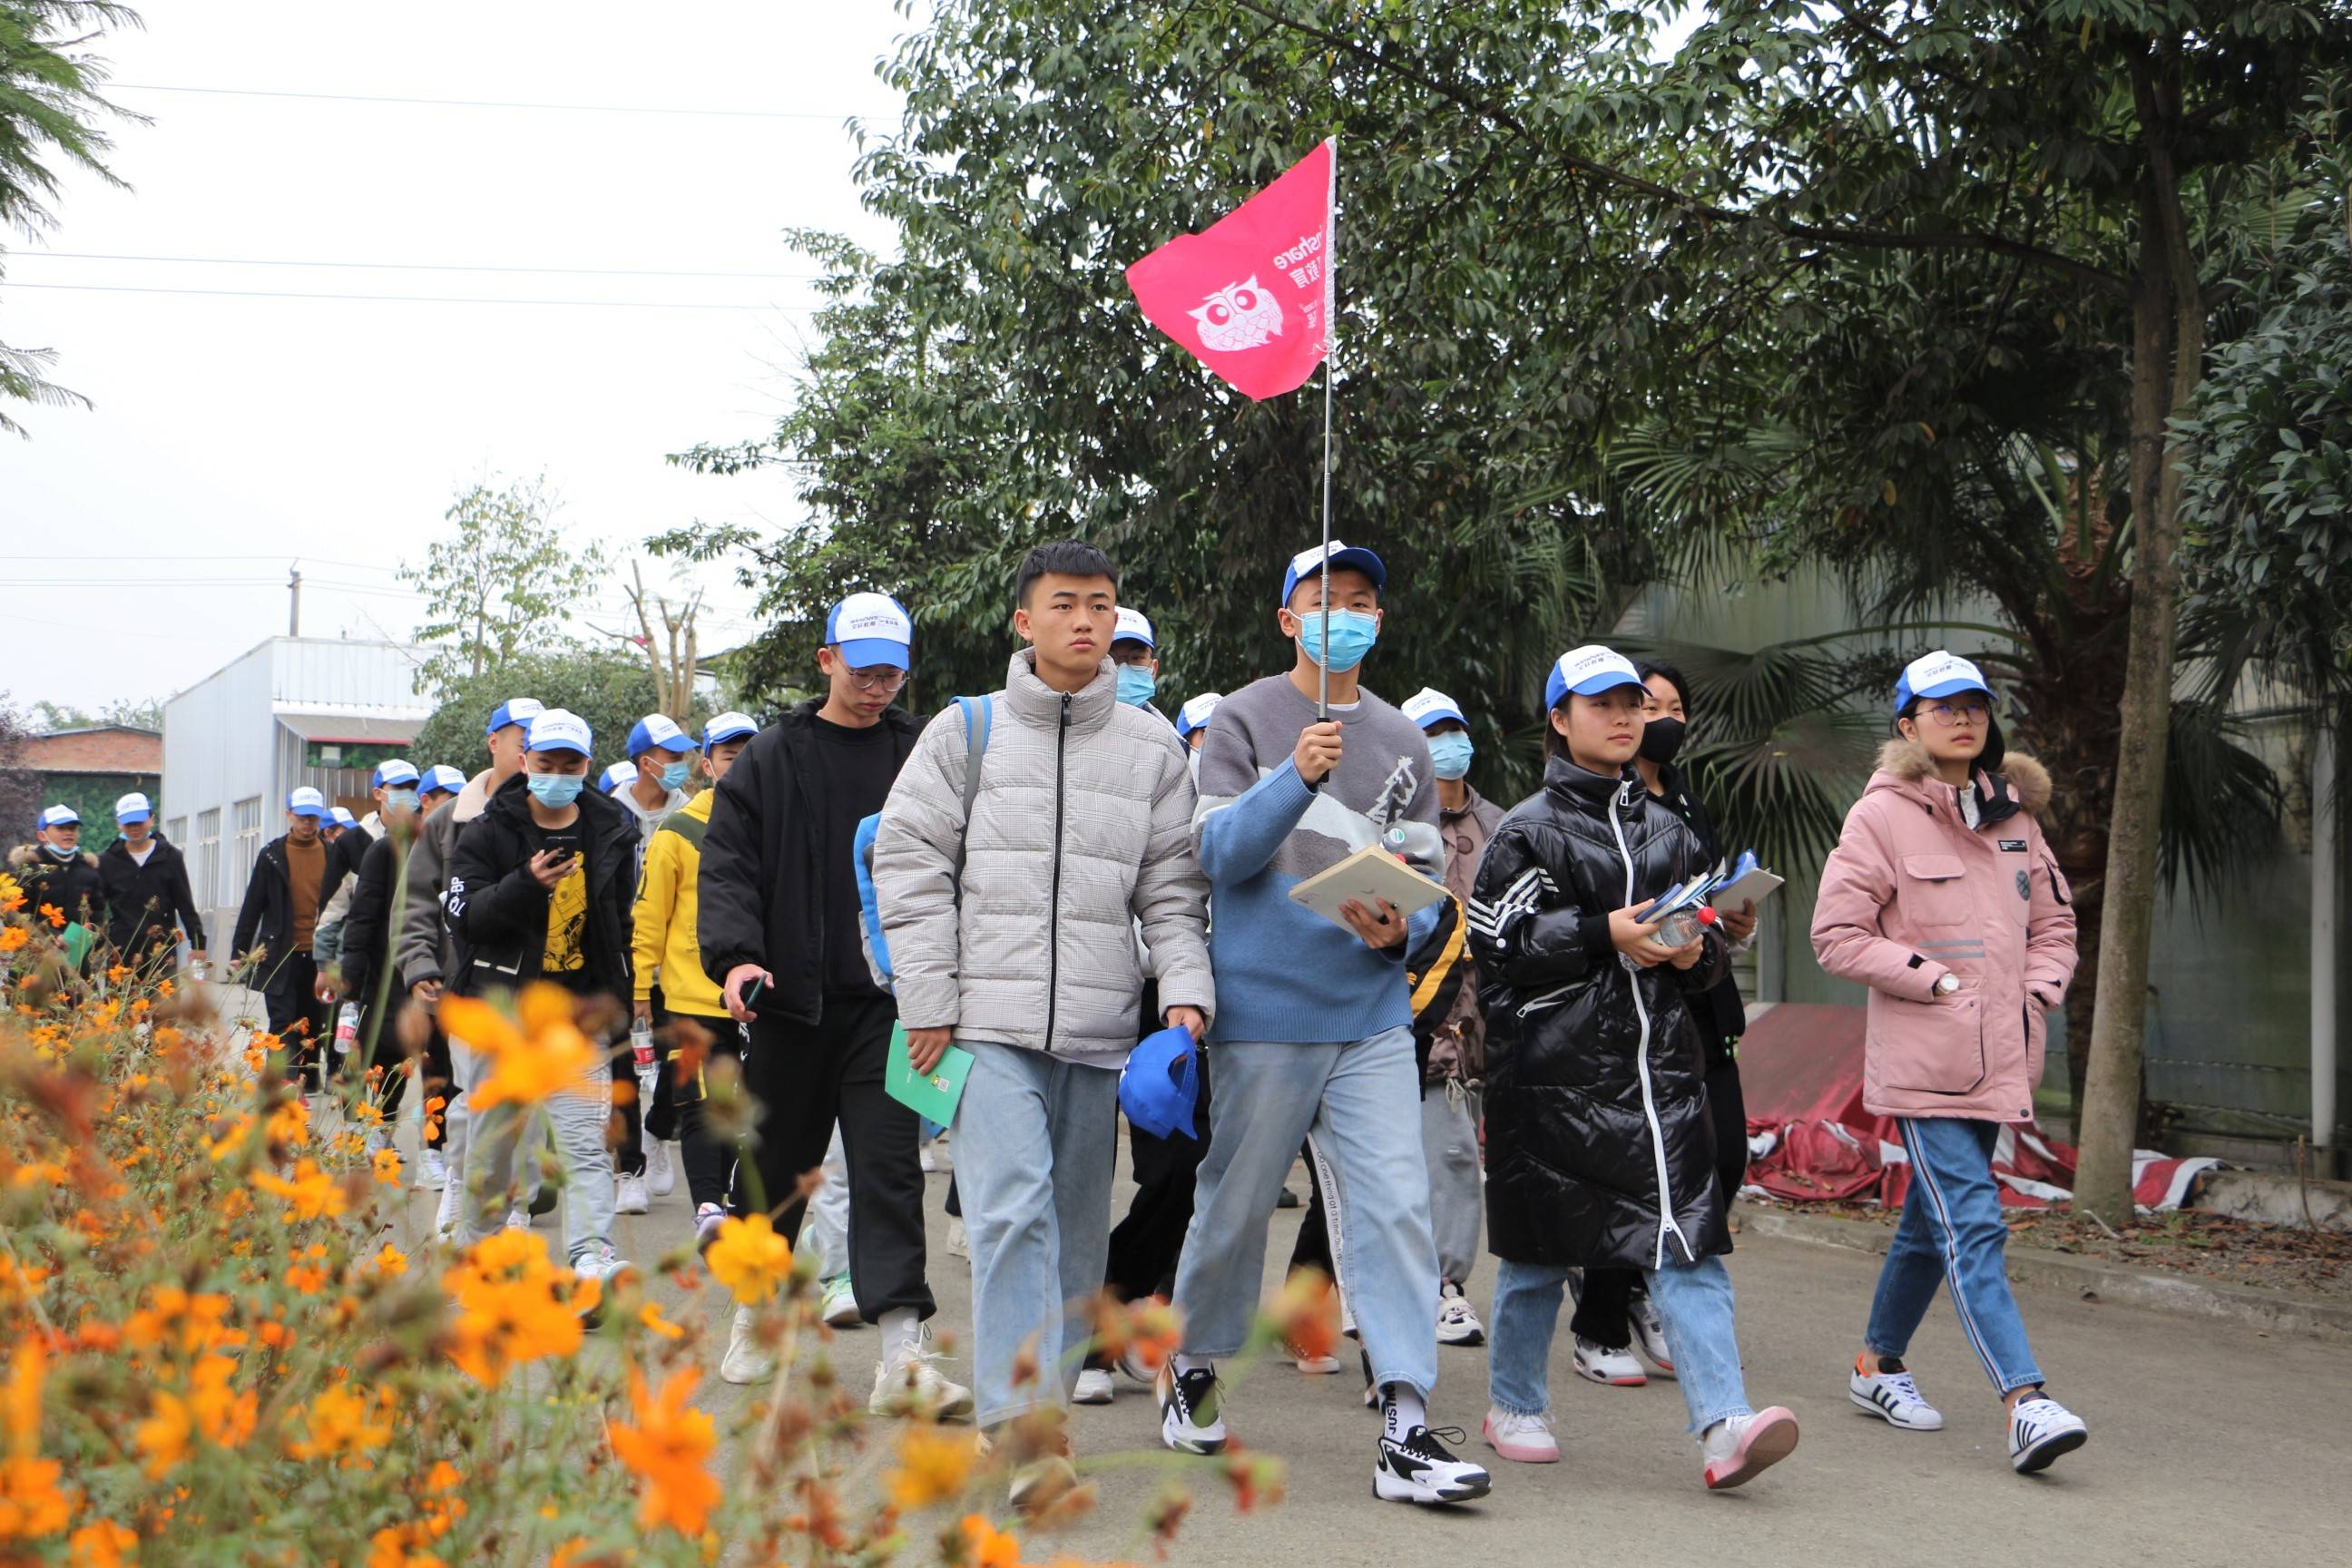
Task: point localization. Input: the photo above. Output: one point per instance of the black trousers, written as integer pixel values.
(710, 1160)
(659, 1118)
(806, 1078)
(296, 1015)
(1601, 1307)
(1146, 1245)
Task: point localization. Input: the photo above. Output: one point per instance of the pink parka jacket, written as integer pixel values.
(1912, 893)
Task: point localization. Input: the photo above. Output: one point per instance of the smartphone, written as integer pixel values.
(563, 844)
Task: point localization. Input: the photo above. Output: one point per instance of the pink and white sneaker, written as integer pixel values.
(1742, 1448)
(1526, 1439)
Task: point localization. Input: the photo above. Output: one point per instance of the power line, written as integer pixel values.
(484, 102)
(405, 265)
(408, 299)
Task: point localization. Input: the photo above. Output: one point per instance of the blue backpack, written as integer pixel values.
(979, 714)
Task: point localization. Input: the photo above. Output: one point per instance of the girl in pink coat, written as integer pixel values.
(1944, 900)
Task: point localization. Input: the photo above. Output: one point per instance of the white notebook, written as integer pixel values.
(1758, 885)
(1367, 876)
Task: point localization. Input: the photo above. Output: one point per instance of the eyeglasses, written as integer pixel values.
(1946, 714)
(880, 677)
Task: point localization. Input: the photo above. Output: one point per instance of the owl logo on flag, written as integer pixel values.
(1238, 316)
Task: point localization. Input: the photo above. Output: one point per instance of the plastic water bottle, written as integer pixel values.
(641, 1047)
(1678, 929)
(347, 1027)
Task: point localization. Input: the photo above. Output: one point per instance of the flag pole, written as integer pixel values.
(1331, 356)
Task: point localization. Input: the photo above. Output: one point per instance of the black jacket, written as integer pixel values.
(266, 916)
(142, 902)
(497, 911)
(1718, 1012)
(71, 885)
(761, 895)
(369, 930)
(1599, 1150)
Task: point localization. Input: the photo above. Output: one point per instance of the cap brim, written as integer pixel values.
(1593, 686)
(574, 747)
(1440, 717)
(134, 817)
(1953, 688)
(864, 653)
(710, 741)
(316, 813)
(1355, 558)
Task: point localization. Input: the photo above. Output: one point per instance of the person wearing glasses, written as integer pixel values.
(780, 929)
(1944, 899)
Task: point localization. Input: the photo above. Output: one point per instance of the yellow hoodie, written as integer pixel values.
(666, 937)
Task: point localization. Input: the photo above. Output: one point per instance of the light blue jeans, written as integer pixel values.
(1952, 1232)
(495, 1155)
(1036, 1138)
(1361, 1101)
(1693, 1302)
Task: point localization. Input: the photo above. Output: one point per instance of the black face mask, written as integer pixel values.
(1661, 739)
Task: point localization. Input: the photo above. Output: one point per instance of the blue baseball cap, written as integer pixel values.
(514, 711)
(341, 817)
(442, 779)
(133, 808)
(1588, 671)
(1344, 557)
(308, 802)
(728, 726)
(871, 629)
(60, 816)
(617, 777)
(393, 771)
(1160, 1086)
(1134, 626)
(1430, 706)
(1195, 714)
(1939, 674)
(560, 729)
(658, 730)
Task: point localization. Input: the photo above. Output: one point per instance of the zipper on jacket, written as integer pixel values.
(1054, 908)
(1666, 1225)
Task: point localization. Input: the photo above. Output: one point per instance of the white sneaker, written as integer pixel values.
(631, 1196)
(1192, 1414)
(453, 1199)
(379, 1139)
(930, 1165)
(661, 1171)
(1312, 1365)
(1738, 1450)
(1526, 1439)
(958, 1239)
(912, 1382)
(1456, 1323)
(433, 1172)
(1094, 1387)
(1892, 1395)
(2040, 1430)
(1618, 1369)
(838, 1305)
(708, 1219)
(1649, 1331)
(600, 1262)
(1419, 1469)
(745, 1361)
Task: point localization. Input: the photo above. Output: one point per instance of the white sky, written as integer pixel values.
(234, 436)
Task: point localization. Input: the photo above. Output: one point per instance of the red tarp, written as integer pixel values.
(1809, 1137)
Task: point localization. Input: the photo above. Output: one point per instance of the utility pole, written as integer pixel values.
(294, 601)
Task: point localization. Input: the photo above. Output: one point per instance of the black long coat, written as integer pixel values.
(1599, 1150)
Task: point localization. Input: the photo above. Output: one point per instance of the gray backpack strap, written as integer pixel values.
(979, 713)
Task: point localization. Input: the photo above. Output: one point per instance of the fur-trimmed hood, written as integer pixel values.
(1904, 765)
(26, 855)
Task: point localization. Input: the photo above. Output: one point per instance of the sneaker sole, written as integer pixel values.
(1639, 1380)
(1473, 1337)
(1317, 1366)
(1870, 1406)
(1390, 1487)
(844, 1318)
(1177, 1436)
(2042, 1455)
(743, 1378)
(1093, 1397)
(1517, 1454)
(1766, 1446)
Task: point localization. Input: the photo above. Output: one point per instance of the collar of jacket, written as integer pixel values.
(1471, 801)
(26, 855)
(1032, 701)
(1583, 790)
(1904, 767)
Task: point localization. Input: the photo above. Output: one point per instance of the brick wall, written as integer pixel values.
(114, 749)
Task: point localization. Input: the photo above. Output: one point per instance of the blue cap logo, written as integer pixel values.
(1939, 674)
(1588, 671)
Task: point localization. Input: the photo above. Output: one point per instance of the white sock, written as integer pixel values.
(902, 1331)
(1185, 1363)
(1402, 1408)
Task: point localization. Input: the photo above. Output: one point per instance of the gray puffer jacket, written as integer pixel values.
(1082, 829)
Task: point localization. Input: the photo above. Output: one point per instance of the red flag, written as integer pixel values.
(1251, 296)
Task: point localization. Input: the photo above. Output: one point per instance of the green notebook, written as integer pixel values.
(935, 1093)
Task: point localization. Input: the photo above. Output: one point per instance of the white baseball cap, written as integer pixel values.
(443, 778)
(658, 730)
(60, 816)
(728, 726)
(1939, 674)
(617, 777)
(1134, 626)
(870, 629)
(1588, 671)
(560, 729)
(514, 711)
(308, 802)
(133, 808)
(1344, 557)
(1430, 706)
(1195, 714)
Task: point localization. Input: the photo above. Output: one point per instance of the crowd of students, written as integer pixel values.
(1042, 876)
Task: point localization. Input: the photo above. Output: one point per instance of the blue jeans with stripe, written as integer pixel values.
(1952, 1233)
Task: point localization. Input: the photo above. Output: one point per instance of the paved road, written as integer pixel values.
(2211, 1443)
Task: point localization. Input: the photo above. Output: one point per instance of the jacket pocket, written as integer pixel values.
(2059, 889)
(1934, 890)
(1930, 1047)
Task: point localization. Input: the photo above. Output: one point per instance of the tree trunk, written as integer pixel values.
(2167, 350)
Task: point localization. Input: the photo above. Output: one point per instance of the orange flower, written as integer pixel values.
(102, 1543)
(197, 1323)
(650, 1315)
(291, 1123)
(55, 916)
(387, 1167)
(388, 1264)
(12, 895)
(13, 937)
(1306, 1313)
(512, 1307)
(750, 1258)
(666, 1449)
(344, 1427)
(20, 1399)
(933, 1464)
(31, 1502)
(210, 1409)
(313, 1194)
(991, 1547)
(544, 1056)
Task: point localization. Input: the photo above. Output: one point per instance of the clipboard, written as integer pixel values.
(933, 1094)
(1370, 874)
(1758, 885)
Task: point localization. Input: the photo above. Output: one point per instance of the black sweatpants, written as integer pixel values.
(297, 1016)
(1601, 1309)
(658, 1120)
(710, 1160)
(804, 1077)
(1146, 1245)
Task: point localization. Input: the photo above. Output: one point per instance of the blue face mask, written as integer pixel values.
(556, 790)
(400, 800)
(1352, 634)
(1137, 685)
(674, 773)
(1450, 753)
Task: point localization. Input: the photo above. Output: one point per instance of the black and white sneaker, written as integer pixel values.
(2041, 1429)
(1891, 1394)
(1419, 1469)
(1190, 1420)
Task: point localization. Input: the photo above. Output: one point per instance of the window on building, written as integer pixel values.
(208, 856)
(177, 830)
(247, 846)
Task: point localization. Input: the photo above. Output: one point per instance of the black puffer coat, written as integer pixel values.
(1599, 1150)
(497, 910)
